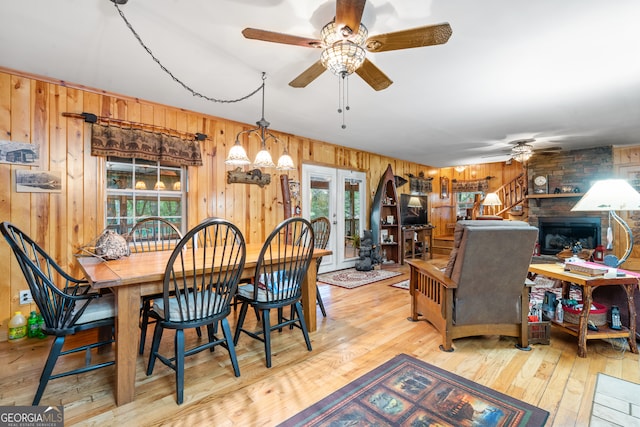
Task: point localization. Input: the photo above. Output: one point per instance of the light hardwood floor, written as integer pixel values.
(365, 327)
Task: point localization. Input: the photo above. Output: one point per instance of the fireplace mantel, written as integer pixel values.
(537, 197)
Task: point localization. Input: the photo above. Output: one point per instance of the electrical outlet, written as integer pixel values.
(26, 298)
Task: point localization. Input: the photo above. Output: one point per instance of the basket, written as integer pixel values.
(598, 315)
(539, 332)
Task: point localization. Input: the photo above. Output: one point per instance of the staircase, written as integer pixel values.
(512, 193)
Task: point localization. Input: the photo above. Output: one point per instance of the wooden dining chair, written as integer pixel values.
(321, 231)
(152, 234)
(280, 271)
(66, 305)
(203, 299)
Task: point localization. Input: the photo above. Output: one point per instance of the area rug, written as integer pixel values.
(409, 392)
(402, 285)
(351, 278)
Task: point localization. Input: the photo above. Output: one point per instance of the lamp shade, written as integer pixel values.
(263, 159)
(285, 162)
(237, 155)
(414, 202)
(609, 195)
(492, 199)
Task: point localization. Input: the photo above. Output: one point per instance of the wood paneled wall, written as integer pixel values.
(31, 110)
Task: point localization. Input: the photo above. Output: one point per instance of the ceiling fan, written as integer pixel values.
(522, 150)
(344, 40)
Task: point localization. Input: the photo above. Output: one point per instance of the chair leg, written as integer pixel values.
(303, 325)
(243, 313)
(280, 316)
(266, 330)
(146, 306)
(230, 347)
(155, 345)
(56, 348)
(212, 330)
(179, 346)
(320, 303)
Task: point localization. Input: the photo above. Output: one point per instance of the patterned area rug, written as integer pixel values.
(409, 392)
(402, 285)
(352, 278)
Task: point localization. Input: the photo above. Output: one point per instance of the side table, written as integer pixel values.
(628, 282)
(413, 235)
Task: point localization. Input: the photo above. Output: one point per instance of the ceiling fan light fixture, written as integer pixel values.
(343, 57)
(332, 33)
(522, 152)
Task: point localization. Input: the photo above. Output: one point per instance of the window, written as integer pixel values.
(139, 188)
(466, 202)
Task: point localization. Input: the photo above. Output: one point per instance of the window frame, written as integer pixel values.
(131, 171)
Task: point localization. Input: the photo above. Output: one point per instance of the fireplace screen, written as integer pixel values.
(558, 233)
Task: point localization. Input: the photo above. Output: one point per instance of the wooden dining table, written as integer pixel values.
(140, 274)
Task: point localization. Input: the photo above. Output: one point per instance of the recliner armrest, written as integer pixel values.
(430, 270)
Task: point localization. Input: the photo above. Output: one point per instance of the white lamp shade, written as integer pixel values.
(263, 160)
(414, 202)
(237, 156)
(492, 199)
(609, 195)
(285, 162)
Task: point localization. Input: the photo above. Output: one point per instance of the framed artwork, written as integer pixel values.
(384, 235)
(444, 187)
(28, 181)
(19, 153)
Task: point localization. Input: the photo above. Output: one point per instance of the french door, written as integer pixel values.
(340, 195)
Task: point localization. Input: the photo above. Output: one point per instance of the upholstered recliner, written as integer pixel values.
(482, 290)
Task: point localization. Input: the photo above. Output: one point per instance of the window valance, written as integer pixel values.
(470, 186)
(128, 142)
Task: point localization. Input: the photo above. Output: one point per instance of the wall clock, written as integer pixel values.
(540, 184)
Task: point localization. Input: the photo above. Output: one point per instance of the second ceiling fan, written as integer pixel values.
(344, 41)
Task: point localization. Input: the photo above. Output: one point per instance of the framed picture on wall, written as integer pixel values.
(28, 181)
(19, 153)
(444, 187)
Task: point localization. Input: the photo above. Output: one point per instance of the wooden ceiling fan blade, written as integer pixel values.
(272, 36)
(308, 75)
(373, 75)
(349, 13)
(416, 37)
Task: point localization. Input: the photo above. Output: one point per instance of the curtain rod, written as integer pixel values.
(92, 118)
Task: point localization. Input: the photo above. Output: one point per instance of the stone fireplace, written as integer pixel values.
(557, 233)
(551, 212)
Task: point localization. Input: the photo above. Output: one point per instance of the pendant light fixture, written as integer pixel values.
(238, 156)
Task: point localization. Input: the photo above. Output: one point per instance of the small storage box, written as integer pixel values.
(539, 332)
(598, 315)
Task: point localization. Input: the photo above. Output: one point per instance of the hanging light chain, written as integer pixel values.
(343, 96)
(175, 79)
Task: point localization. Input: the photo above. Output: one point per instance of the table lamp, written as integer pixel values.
(612, 195)
(492, 199)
